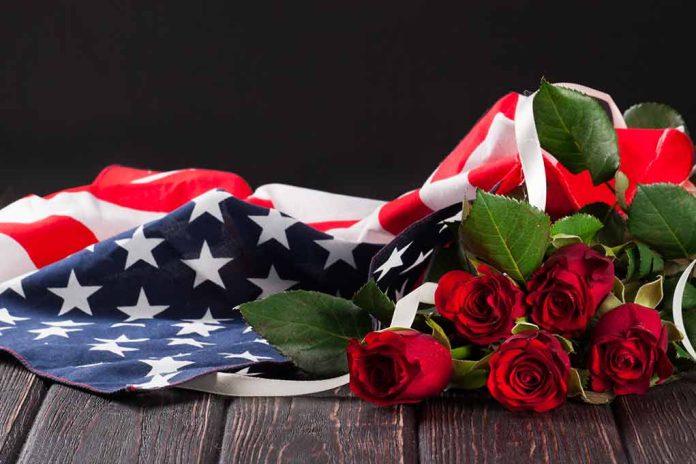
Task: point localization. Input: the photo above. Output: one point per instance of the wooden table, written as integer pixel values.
(44, 422)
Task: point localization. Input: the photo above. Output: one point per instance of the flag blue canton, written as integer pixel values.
(156, 306)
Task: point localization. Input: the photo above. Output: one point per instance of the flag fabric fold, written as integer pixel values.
(132, 282)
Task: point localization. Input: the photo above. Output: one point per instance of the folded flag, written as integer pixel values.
(132, 282)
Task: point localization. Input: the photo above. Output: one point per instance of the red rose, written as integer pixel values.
(566, 291)
(483, 308)
(529, 372)
(398, 366)
(628, 348)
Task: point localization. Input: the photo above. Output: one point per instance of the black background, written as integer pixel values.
(355, 97)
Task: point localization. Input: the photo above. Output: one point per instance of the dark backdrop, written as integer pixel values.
(362, 98)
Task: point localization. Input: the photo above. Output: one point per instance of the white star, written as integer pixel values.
(139, 248)
(271, 284)
(52, 331)
(166, 365)
(15, 285)
(246, 372)
(339, 250)
(90, 247)
(207, 267)
(202, 326)
(261, 340)
(188, 341)
(58, 329)
(6, 328)
(142, 309)
(247, 329)
(74, 295)
(209, 203)
(393, 261)
(246, 355)
(8, 318)
(274, 226)
(157, 381)
(400, 293)
(113, 345)
(457, 217)
(421, 257)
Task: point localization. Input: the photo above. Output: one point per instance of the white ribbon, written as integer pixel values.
(242, 385)
(531, 156)
(677, 315)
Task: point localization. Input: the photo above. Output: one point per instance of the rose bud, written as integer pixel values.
(628, 348)
(483, 308)
(529, 372)
(566, 290)
(398, 366)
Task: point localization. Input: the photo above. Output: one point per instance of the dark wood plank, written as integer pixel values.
(475, 429)
(21, 393)
(659, 426)
(171, 426)
(318, 430)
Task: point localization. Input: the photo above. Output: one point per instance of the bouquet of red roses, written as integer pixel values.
(584, 301)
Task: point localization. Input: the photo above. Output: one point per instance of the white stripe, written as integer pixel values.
(308, 205)
(154, 177)
(241, 385)
(446, 192)
(104, 219)
(15, 260)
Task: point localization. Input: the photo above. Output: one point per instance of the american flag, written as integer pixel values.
(132, 282)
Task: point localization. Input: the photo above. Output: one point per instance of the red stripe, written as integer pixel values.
(453, 164)
(164, 194)
(260, 202)
(396, 215)
(328, 225)
(50, 239)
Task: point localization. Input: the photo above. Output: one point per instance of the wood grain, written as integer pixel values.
(475, 429)
(659, 426)
(318, 430)
(21, 393)
(173, 426)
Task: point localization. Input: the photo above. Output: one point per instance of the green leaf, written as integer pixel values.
(609, 303)
(310, 328)
(370, 298)
(614, 231)
(577, 390)
(563, 240)
(523, 326)
(438, 333)
(650, 294)
(462, 352)
(566, 344)
(673, 334)
(689, 300)
(664, 217)
(653, 116)
(580, 225)
(510, 235)
(575, 129)
(444, 260)
(649, 261)
(470, 374)
(621, 186)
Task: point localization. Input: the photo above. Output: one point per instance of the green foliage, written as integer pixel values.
(653, 116)
(310, 328)
(584, 226)
(575, 129)
(370, 298)
(510, 235)
(664, 217)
